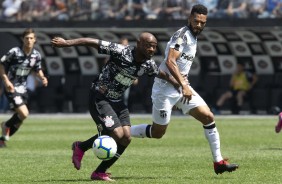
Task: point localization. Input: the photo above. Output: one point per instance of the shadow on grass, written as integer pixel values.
(279, 149)
(121, 178)
(114, 178)
(61, 180)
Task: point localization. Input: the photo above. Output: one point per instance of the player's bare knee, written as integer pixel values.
(210, 117)
(118, 133)
(23, 115)
(207, 118)
(126, 140)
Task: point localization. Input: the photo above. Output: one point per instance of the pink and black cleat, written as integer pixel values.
(101, 176)
(278, 127)
(77, 155)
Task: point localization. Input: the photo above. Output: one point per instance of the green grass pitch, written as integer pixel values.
(40, 153)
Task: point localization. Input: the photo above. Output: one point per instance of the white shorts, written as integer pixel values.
(165, 96)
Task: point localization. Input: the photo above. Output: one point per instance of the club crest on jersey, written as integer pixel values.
(163, 113)
(109, 122)
(32, 62)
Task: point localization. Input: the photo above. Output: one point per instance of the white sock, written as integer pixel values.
(141, 131)
(214, 141)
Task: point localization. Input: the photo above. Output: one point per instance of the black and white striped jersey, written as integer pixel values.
(121, 69)
(18, 65)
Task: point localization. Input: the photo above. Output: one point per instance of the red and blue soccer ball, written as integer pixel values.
(104, 147)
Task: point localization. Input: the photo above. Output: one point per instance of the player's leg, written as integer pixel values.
(78, 147)
(150, 131)
(278, 127)
(11, 126)
(100, 172)
(239, 101)
(225, 96)
(198, 108)
(164, 97)
(161, 116)
(240, 98)
(21, 114)
(206, 117)
(121, 134)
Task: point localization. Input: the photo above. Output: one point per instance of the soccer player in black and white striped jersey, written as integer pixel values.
(15, 66)
(106, 106)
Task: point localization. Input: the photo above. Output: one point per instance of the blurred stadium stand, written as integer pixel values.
(81, 10)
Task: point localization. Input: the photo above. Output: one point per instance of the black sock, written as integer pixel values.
(148, 131)
(86, 145)
(210, 127)
(107, 164)
(13, 123)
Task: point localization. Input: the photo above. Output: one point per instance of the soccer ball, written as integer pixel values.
(105, 147)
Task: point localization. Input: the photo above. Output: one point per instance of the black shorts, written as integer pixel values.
(107, 115)
(16, 99)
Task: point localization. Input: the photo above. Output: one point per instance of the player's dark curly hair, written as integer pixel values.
(200, 9)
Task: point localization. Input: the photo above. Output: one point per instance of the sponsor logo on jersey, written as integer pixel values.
(184, 56)
(22, 71)
(113, 94)
(126, 81)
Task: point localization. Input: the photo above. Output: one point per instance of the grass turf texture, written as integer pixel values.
(41, 153)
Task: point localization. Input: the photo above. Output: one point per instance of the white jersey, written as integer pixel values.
(164, 95)
(184, 42)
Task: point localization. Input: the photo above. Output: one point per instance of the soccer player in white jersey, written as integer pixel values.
(15, 66)
(179, 55)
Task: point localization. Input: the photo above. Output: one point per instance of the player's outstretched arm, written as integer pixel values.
(61, 42)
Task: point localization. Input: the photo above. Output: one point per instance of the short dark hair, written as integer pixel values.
(200, 9)
(27, 31)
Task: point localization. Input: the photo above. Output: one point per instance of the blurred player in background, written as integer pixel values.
(15, 66)
(4, 104)
(241, 84)
(106, 106)
(179, 54)
(278, 127)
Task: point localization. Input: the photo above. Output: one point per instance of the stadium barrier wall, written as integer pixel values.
(218, 51)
